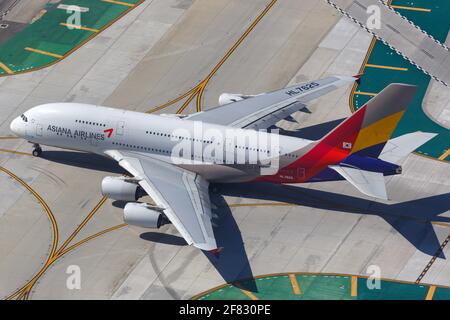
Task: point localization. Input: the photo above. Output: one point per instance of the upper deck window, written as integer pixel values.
(25, 119)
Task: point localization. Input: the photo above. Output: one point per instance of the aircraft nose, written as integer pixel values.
(16, 127)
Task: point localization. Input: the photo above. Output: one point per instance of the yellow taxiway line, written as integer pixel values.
(16, 152)
(24, 292)
(132, 6)
(445, 155)
(411, 8)
(120, 3)
(385, 67)
(430, 293)
(5, 67)
(246, 292)
(198, 90)
(433, 259)
(362, 93)
(46, 53)
(442, 224)
(282, 274)
(294, 283)
(79, 243)
(74, 26)
(354, 292)
(55, 234)
(269, 204)
(81, 226)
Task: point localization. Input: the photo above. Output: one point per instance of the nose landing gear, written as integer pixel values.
(37, 151)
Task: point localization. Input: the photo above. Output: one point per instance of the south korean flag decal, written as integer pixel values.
(346, 145)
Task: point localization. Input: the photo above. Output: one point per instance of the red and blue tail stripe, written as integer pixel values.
(364, 134)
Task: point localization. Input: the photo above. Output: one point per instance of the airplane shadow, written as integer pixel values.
(314, 132)
(83, 160)
(164, 238)
(412, 219)
(119, 204)
(232, 262)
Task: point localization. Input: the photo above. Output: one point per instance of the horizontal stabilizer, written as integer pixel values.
(398, 148)
(368, 182)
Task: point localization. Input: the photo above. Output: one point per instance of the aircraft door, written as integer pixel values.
(229, 151)
(120, 128)
(30, 129)
(39, 130)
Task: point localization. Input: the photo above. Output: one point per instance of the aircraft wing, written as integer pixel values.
(183, 195)
(265, 110)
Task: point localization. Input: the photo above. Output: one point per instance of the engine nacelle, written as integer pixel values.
(118, 188)
(226, 98)
(142, 215)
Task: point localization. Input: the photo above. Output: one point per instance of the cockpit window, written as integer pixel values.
(24, 118)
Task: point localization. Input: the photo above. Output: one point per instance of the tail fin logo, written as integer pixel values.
(347, 145)
(108, 132)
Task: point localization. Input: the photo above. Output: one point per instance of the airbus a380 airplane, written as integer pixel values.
(173, 158)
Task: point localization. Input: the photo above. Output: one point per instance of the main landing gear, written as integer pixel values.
(37, 151)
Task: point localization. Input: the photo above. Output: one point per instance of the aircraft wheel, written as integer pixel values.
(37, 152)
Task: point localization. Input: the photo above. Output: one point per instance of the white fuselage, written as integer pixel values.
(98, 129)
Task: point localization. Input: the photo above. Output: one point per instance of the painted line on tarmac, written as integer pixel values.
(24, 292)
(443, 45)
(74, 26)
(436, 255)
(366, 28)
(45, 53)
(364, 65)
(16, 152)
(81, 226)
(204, 294)
(430, 293)
(294, 283)
(354, 284)
(79, 45)
(362, 93)
(120, 3)
(246, 292)
(445, 155)
(411, 8)
(20, 293)
(386, 67)
(200, 88)
(5, 68)
(79, 243)
(442, 224)
(269, 204)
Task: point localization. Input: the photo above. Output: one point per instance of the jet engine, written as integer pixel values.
(120, 188)
(143, 215)
(226, 98)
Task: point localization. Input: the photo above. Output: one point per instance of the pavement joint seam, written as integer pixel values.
(443, 45)
(433, 259)
(346, 14)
